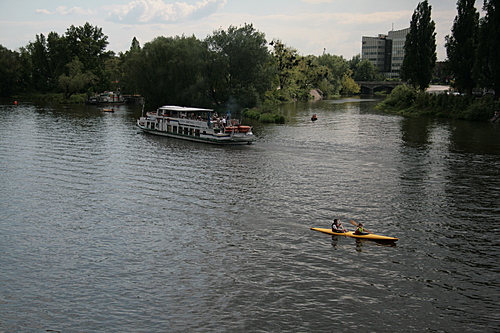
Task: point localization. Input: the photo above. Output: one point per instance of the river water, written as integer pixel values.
(105, 229)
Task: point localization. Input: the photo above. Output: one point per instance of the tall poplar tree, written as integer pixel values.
(487, 66)
(420, 48)
(461, 45)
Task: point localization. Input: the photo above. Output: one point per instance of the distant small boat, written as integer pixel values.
(108, 110)
(314, 118)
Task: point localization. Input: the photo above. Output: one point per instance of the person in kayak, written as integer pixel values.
(360, 230)
(337, 226)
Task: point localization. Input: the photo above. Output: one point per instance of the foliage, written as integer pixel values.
(349, 87)
(49, 57)
(353, 63)
(238, 69)
(267, 111)
(285, 59)
(128, 61)
(9, 72)
(264, 116)
(297, 75)
(420, 48)
(76, 80)
(89, 43)
(487, 65)
(401, 97)
(57, 98)
(338, 68)
(169, 71)
(461, 45)
(406, 100)
(42, 74)
(235, 68)
(365, 71)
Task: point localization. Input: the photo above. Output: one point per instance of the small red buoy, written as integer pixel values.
(15, 102)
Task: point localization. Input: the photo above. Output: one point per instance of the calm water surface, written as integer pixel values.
(105, 229)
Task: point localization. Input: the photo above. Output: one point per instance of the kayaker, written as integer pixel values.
(337, 226)
(360, 230)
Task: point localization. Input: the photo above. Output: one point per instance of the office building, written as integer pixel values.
(385, 52)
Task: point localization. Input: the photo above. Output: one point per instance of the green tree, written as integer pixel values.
(113, 71)
(286, 58)
(49, 56)
(461, 45)
(25, 83)
(169, 70)
(365, 71)
(89, 43)
(337, 67)
(76, 80)
(349, 87)
(420, 48)
(9, 72)
(242, 59)
(58, 55)
(128, 61)
(41, 73)
(308, 75)
(353, 63)
(487, 65)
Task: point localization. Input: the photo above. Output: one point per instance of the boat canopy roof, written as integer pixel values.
(183, 109)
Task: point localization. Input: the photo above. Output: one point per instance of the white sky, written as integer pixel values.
(310, 26)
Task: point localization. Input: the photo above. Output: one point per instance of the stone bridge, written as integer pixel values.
(370, 87)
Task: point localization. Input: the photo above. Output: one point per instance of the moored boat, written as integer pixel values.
(195, 124)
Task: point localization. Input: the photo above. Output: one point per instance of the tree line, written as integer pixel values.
(236, 67)
(471, 48)
(472, 64)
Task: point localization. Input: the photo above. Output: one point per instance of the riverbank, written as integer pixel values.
(406, 101)
(54, 98)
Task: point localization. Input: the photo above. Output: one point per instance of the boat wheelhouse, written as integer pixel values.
(195, 124)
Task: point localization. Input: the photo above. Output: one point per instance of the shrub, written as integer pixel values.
(481, 109)
(401, 97)
(264, 116)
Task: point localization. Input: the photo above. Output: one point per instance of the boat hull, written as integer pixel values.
(219, 139)
(352, 234)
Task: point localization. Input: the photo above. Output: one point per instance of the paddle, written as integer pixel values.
(356, 225)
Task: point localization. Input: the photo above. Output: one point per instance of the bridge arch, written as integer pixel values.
(371, 87)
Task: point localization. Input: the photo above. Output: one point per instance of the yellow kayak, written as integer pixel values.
(352, 234)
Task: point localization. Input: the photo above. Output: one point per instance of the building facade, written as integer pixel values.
(385, 52)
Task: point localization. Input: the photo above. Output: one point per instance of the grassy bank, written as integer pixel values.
(54, 98)
(406, 101)
(264, 116)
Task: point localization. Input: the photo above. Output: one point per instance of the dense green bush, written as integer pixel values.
(405, 100)
(264, 116)
(55, 98)
(402, 96)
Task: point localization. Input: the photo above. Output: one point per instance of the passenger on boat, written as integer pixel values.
(337, 226)
(360, 230)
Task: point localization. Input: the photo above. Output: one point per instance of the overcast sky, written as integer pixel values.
(310, 26)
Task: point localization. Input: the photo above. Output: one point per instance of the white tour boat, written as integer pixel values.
(195, 124)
